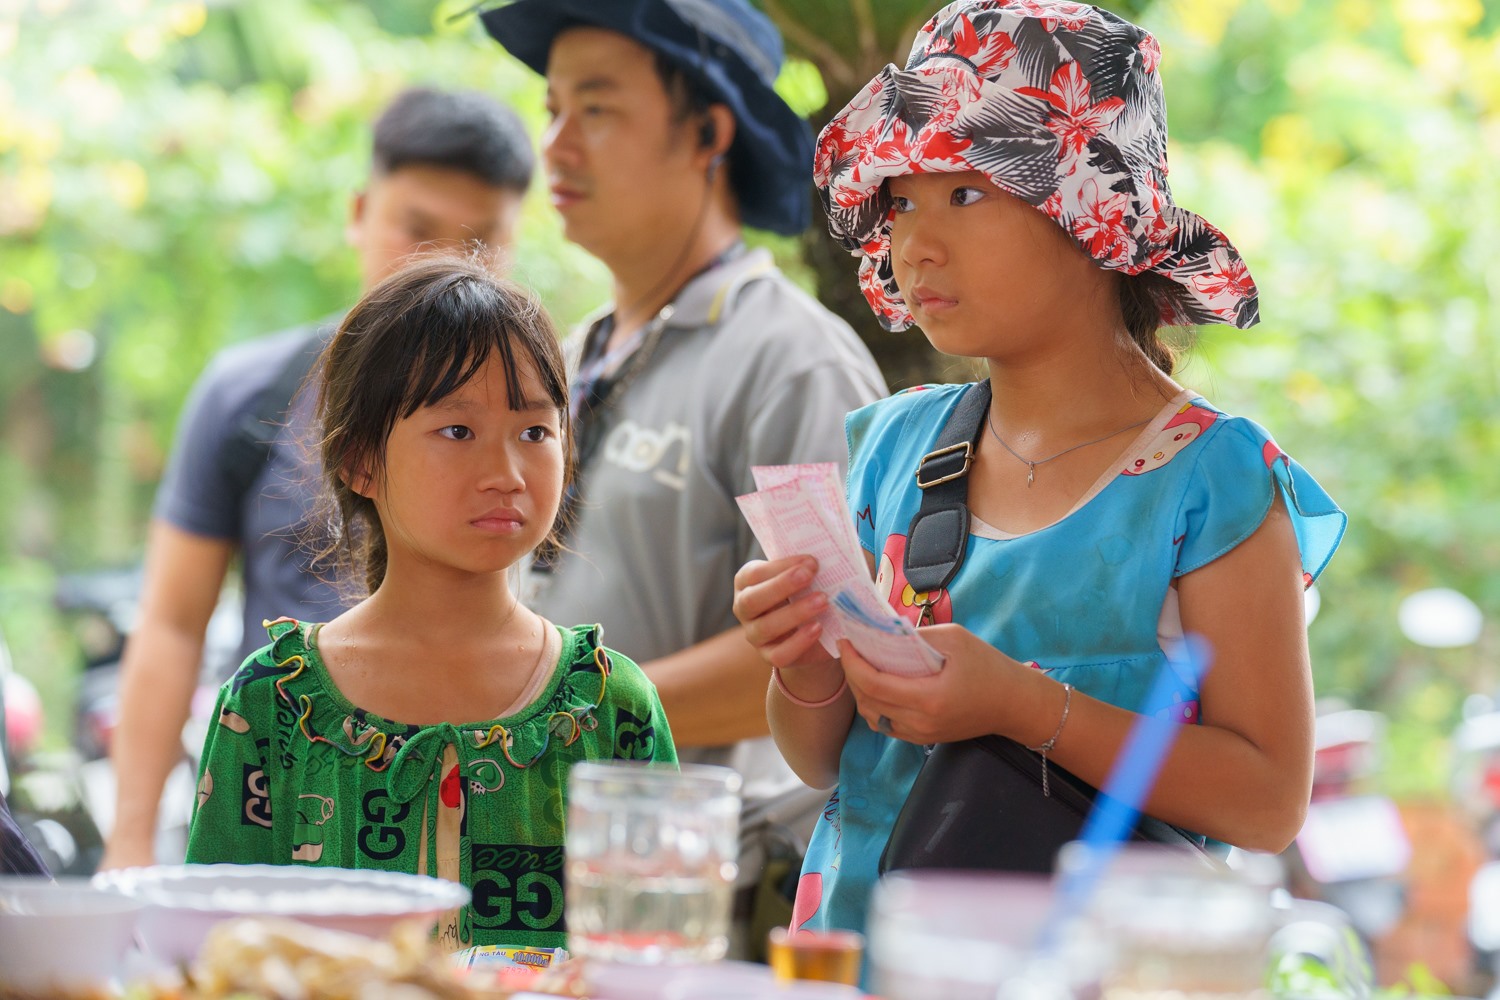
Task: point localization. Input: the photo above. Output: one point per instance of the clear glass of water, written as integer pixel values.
(937, 934)
(651, 861)
(1175, 927)
(1172, 923)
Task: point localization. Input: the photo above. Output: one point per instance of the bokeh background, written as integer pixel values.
(175, 177)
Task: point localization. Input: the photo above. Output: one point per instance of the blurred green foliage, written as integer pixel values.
(174, 176)
(1347, 147)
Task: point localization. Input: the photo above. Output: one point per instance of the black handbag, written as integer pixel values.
(986, 803)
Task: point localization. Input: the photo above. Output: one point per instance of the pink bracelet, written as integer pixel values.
(786, 692)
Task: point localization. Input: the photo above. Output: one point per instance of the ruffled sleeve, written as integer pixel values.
(1240, 470)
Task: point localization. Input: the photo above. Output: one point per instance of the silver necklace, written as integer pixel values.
(1031, 466)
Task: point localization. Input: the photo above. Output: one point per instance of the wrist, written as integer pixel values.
(818, 691)
(130, 843)
(1047, 705)
(134, 822)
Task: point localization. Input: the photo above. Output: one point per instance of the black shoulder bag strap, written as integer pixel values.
(248, 448)
(939, 532)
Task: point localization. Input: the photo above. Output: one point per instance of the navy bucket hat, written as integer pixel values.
(732, 50)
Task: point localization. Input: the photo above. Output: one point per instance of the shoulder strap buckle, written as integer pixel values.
(949, 463)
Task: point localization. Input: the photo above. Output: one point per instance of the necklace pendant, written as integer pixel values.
(1030, 474)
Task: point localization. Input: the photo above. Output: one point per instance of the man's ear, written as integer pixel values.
(717, 132)
(354, 229)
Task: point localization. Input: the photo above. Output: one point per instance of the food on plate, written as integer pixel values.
(271, 957)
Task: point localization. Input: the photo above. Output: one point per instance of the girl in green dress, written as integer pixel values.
(430, 728)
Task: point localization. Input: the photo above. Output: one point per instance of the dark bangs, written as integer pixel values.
(419, 336)
(456, 330)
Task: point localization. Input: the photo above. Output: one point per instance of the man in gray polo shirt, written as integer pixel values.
(666, 138)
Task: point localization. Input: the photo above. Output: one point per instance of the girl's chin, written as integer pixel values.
(954, 345)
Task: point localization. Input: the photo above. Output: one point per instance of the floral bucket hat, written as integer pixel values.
(1058, 104)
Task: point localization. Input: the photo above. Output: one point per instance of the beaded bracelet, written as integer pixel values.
(1046, 748)
(786, 692)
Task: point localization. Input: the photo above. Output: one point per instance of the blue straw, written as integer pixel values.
(1118, 804)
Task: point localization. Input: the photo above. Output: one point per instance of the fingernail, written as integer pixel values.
(803, 574)
(817, 599)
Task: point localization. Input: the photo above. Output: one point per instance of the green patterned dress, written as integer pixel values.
(293, 773)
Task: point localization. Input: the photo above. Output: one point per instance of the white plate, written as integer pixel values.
(185, 901)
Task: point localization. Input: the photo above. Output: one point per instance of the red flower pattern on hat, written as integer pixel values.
(1076, 118)
(988, 54)
(1150, 53)
(1060, 105)
(1101, 227)
(1070, 16)
(1229, 278)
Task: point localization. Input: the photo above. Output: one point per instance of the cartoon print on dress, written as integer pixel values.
(233, 722)
(1185, 427)
(451, 791)
(890, 580)
(453, 795)
(809, 898)
(1271, 453)
(205, 788)
(485, 775)
(255, 670)
(1184, 710)
(307, 835)
(831, 817)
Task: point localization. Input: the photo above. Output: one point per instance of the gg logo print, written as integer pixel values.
(635, 737)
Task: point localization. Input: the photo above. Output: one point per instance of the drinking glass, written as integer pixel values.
(651, 861)
(939, 934)
(824, 956)
(1174, 924)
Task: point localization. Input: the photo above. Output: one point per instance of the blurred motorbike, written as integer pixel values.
(43, 790)
(102, 607)
(1353, 850)
(1476, 789)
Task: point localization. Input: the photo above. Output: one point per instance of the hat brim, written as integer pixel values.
(771, 156)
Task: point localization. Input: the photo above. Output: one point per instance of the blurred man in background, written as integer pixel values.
(448, 170)
(667, 136)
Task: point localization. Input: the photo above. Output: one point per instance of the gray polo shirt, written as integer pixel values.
(750, 370)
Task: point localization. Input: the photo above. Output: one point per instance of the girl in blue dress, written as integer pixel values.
(1007, 193)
